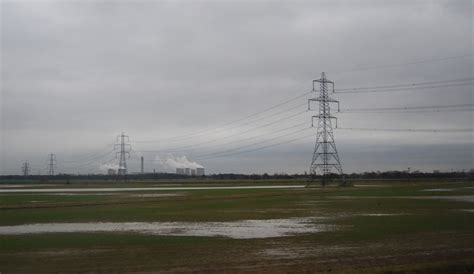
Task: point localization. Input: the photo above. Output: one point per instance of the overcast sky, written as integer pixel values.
(74, 74)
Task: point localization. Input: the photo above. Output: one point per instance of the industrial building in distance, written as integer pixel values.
(190, 172)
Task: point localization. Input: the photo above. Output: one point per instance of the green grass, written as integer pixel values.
(36, 242)
(361, 243)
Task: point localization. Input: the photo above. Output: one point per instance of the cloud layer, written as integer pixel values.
(74, 74)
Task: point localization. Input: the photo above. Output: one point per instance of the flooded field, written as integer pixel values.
(124, 189)
(264, 228)
(379, 214)
(24, 185)
(438, 189)
(245, 229)
(155, 195)
(463, 198)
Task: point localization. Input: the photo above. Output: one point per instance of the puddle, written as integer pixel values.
(350, 215)
(467, 210)
(145, 188)
(439, 189)
(352, 197)
(19, 185)
(301, 252)
(246, 229)
(465, 198)
(460, 198)
(80, 194)
(153, 195)
(67, 252)
(288, 253)
(313, 202)
(379, 214)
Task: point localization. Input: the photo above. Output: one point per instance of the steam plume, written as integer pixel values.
(170, 162)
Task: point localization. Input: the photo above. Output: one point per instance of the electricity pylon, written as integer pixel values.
(51, 164)
(325, 157)
(125, 149)
(25, 168)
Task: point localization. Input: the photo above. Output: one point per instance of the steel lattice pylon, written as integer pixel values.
(125, 149)
(325, 157)
(52, 164)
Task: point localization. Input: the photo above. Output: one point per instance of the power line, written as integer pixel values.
(264, 134)
(185, 148)
(97, 156)
(97, 162)
(410, 111)
(405, 64)
(239, 125)
(204, 156)
(234, 151)
(260, 148)
(409, 84)
(230, 151)
(92, 161)
(260, 135)
(267, 109)
(188, 147)
(408, 88)
(226, 124)
(190, 135)
(384, 88)
(370, 68)
(253, 137)
(411, 129)
(400, 108)
(393, 87)
(408, 108)
(86, 157)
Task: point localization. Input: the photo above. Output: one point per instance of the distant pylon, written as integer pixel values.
(125, 149)
(51, 164)
(25, 168)
(325, 156)
(142, 165)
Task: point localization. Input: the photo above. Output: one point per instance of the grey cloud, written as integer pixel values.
(76, 73)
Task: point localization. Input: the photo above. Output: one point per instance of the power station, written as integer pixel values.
(190, 171)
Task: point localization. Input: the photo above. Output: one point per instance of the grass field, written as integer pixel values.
(390, 226)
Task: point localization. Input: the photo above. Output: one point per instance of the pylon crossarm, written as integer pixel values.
(319, 99)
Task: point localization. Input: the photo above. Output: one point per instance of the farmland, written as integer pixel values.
(420, 226)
